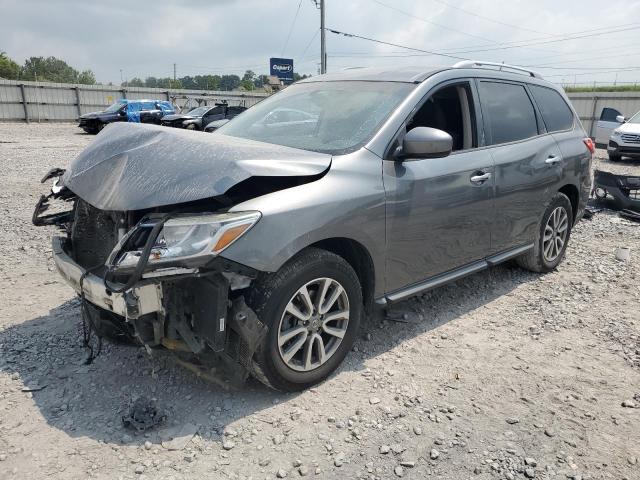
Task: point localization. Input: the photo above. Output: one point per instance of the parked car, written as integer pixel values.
(609, 120)
(202, 116)
(216, 124)
(625, 140)
(137, 111)
(261, 250)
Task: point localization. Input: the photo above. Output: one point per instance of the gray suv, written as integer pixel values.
(260, 248)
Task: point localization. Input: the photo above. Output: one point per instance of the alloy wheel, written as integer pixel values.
(555, 234)
(313, 324)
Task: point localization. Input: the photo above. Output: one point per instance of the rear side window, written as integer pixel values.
(555, 112)
(508, 112)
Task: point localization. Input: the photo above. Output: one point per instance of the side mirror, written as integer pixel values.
(620, 119)
(425, 142)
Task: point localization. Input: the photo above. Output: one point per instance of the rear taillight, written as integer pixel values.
(590, 145)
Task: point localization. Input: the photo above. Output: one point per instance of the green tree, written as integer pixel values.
(229, 82)
(87, 77)
(134, 82)
(151, 82)
(8, 68)
(53, 69)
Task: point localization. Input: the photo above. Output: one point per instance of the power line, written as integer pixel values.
(629, 69)
(544, 42)
(295, 17)
(309, 44)
(403, 12)
(353, 35)
(489, 19)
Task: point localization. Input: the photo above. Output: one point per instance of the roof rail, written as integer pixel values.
(502, 66)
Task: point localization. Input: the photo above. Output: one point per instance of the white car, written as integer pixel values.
(625, 140)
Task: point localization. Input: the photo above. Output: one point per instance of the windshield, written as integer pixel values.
(327, 117)
(635, 118)
(114, 108)
(198, 112)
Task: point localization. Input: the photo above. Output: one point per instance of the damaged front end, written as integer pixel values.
(156, 278)
(147, 216)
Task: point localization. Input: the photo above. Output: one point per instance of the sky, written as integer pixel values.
(566, 41)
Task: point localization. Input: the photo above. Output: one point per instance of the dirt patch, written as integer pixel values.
(505, 374)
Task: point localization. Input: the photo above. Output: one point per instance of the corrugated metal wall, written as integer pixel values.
(55, 102)
(589, 106)
(43, 101)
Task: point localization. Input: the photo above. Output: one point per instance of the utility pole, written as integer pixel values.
(174, 74)
(121, 80)
(323, 45)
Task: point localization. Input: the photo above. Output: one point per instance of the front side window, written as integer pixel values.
(449, 109)
(555, 112)
(328, 117)
(610, 114)
(508, 112)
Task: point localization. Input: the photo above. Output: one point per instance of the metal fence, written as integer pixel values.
(54, 102)
(589, 106)
(59, 102)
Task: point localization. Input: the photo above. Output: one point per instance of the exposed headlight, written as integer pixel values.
(193, 239)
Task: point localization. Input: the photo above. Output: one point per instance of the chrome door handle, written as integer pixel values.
(480, 178)
(553, 159)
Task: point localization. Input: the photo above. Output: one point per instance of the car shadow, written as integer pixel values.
(46, 355)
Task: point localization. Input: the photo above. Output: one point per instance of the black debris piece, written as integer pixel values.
(630, 215)
(143, 415)
(621, 192)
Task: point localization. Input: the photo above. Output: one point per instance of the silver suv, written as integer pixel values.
(259, 249)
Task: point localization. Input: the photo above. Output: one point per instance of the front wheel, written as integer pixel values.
(552, 236)
(614, 157)
(312, 307)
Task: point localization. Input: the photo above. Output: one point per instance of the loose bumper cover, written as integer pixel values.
(144, 298)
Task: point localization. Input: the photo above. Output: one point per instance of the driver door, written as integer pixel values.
(440, 210)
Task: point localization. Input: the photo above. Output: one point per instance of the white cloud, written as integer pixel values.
(146, 37)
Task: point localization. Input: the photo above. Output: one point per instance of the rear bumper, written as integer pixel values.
(143, 299)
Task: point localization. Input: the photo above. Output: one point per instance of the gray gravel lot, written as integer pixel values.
(504, 375)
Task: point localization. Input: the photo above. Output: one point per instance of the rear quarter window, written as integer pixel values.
(555, 112)
(508, 110)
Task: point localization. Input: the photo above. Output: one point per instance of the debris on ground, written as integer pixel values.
(144, 415)
(177, 438)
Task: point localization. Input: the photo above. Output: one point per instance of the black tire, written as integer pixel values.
(99, 127)
(270, 296)
(613, 157)
(534, 260)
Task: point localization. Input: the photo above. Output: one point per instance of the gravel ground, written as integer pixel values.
(503, 375)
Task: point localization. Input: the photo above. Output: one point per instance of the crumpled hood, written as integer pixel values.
(138, 166)
(177, 116)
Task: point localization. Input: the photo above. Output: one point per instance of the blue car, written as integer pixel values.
(137, 111)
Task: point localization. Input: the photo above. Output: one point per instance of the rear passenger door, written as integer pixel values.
(528, 162)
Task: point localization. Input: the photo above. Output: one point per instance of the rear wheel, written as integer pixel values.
(312, 307)
(552, 236)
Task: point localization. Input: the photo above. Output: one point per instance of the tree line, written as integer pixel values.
(52, 69)
(249, 81)
(41, 69)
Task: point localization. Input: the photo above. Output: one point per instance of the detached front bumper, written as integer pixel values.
(140, 300)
